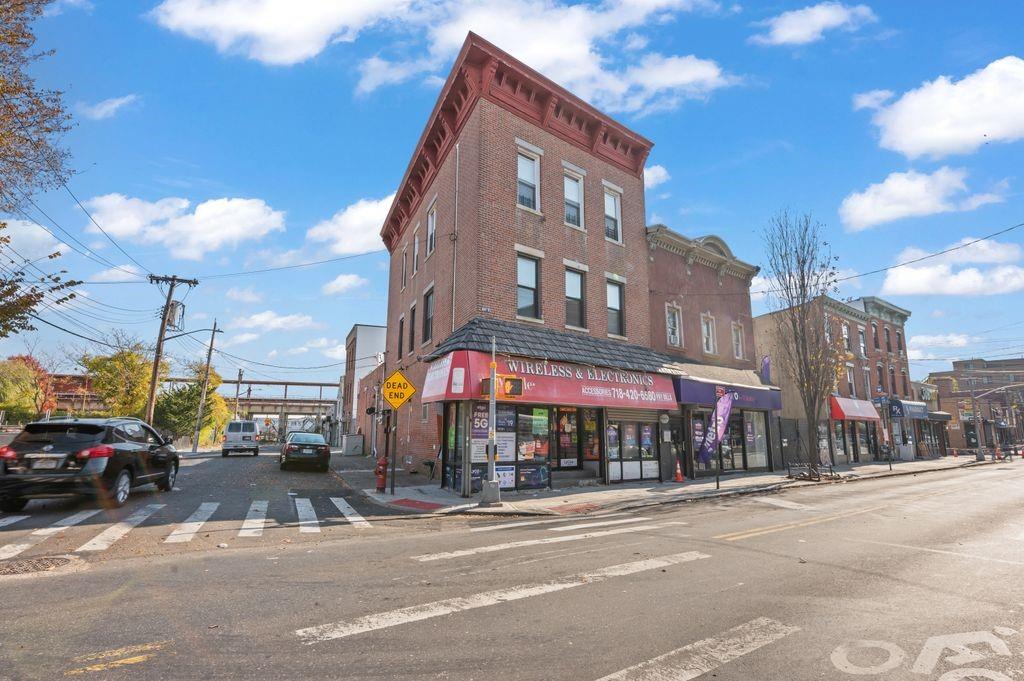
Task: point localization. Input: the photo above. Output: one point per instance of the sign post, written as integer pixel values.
(397, 390)
(491, 489)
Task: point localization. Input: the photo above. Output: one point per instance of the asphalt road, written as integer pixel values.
(913, 577)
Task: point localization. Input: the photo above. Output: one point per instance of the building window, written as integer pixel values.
(527, 287)
(672, 325)
(863, 342)
(428, 315)
(526, 196)
(906, 385)
(425, 413)
(828, 329)
(412, 329)
(899, 342)
(573, 201)
(612, 215)
(431, 231)
(401, 336)
(616, 325)
(881, 379)
(888, 340)
(707, 333)
(850, 387)
(737, 340)
(575, 310)
(867, 382)
(892, 382)
(874, 334)
(415, 253)
(846, 338)
(405, 266)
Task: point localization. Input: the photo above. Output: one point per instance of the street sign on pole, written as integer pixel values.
(397, 389)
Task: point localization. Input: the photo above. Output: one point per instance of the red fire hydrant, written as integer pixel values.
(381, 472)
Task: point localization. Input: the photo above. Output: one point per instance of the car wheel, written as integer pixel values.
(166, 483)
(12, 505)
(284, 466)
(118, 492)
(223, 453)
(255, 452)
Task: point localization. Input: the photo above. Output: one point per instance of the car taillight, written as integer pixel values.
(257, 438)
(100, 452)
(6, 453)
(324, 449)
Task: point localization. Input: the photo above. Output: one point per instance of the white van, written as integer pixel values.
(241, 436)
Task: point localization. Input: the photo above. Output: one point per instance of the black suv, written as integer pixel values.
(103, 458)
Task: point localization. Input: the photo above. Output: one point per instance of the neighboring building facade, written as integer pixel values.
(991, 389)
(521, 218)
(364, 350)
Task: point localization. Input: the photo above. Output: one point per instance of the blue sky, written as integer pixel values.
(228, 135)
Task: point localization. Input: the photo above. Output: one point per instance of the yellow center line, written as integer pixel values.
(106, 666)
(118, 652)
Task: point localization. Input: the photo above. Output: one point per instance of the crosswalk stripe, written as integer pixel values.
(701, 657)
(12, 550)
(254, 521)
(350, 513)
(417, 613)
(782, 503)
(602, 523)
(524, 523)
(307, 516)
(188, 529)
(546, 540)
(11, 519)
(107, 537)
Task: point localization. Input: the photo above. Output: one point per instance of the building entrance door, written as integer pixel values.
(567, 439)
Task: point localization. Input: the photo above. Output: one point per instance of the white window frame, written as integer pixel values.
(736, 326)
(862, 340)
(620, 284)
(867, 383)
(405, 266)
(617, 196)
(578, 179)
(672, 308)
(851, 382)
(707, 316)
(529, 153)
(847, 341)
(431, 230)
(415, 251)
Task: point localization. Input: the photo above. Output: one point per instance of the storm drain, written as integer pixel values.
(24, 567)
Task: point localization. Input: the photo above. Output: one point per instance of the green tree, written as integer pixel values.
(122, 377)
(176, 408)
(17, 391)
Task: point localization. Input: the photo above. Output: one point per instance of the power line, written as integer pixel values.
(292, 267)
(69, 331)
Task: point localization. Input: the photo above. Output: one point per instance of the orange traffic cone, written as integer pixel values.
(679, 473)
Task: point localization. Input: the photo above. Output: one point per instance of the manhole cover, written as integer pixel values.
(21, 567)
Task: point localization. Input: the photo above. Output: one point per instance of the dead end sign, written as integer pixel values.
(397, 389)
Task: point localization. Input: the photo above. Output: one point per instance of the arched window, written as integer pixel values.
(892, 381)
(874, 334)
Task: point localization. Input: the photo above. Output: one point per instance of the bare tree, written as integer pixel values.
(803, 273)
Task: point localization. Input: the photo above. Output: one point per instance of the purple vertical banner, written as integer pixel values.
(766, 369)
(715, 434)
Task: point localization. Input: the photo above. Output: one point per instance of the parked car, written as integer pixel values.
(305, 448)
(103, 458)
(241, 436)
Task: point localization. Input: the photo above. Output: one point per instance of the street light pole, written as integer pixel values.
(206, 383)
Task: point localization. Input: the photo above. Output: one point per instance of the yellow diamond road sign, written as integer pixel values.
(398, 389)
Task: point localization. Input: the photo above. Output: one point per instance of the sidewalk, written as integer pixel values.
(414, 493)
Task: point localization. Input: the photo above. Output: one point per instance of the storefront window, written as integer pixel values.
(533, 431)
(699, 425)
(630, 447)
(756, 437)
(591, 436)
(568, 438)
(839, 443)
(732, 444)
(614, 441)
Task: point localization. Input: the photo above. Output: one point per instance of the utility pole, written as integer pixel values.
(206, 383)
(238, 386)
(172, 282)
(491, 492)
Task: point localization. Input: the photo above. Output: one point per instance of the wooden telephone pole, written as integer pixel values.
(172, 282)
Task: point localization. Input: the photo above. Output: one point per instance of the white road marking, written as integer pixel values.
(601, 523)
(524, 523)
(188, 529)
(12, 550)
(416, 613)
(351, 514)
(701, 657)
(534, 542)
(11, 519)
(307, 516)
(107, 537)
(782, 503)
(254, 520)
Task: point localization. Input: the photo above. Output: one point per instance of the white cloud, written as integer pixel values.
(269, 320)
(272, 354)
(355, 228)
(984, 252)
(243, 295)
(239, 339)
(912, 194)
(655, 175)
(321, 343)
(808, 25)
(336, 352)
(278, 32)
(343, 283)
(297, 351)
(213, 224)
(871, 100)
(31, 241)
(945, 275)
(944, 117)
(108, 108)
(947, 340)
(119, 273)
(635, 41)
(59, 6)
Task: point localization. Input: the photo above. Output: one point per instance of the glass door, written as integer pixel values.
(568, 439)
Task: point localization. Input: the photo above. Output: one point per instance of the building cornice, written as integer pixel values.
(710, 251)
(484, 71)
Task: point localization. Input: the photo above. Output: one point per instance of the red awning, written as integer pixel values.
(847, 409)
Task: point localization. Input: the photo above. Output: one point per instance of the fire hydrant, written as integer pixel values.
(381, 472)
